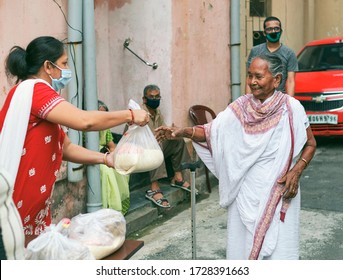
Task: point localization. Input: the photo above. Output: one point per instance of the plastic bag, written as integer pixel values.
(138, 149)
(102, 231)
(53, 244)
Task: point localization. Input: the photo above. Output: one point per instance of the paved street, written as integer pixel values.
(321, 217)
(322, 203)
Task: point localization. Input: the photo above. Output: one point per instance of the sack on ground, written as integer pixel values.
(137, 150)
(102, 231)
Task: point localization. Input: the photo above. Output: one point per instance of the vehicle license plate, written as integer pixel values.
(321, 119)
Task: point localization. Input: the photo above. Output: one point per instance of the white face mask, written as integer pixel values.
(60, 83)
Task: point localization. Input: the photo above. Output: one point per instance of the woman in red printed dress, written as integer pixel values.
(42, 71)
(40, 161)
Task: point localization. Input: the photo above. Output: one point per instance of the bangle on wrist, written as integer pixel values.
(193, 132)
(105, 158)
(132, 118)
(304, 160)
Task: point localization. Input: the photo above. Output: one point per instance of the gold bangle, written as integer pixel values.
(304, 160)
(105, 158)
(193, 132)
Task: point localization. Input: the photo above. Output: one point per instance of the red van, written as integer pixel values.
(319, 85)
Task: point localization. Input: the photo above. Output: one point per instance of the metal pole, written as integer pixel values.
(75, 171)
(193, 203)
(235, 50)
(192, 166)
(91, 103)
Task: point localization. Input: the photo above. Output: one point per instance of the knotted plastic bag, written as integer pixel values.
(138, 150)
(102, 231)
(54, 244)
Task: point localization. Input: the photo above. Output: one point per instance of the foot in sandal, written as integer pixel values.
(183, 185)
(157, 197)
(178, 182)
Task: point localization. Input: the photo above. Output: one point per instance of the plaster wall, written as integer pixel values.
(121, 75)
(21, 22)
(187, 39)
(200, 56)
(328, 19)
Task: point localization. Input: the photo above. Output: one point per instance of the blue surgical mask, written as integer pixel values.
(60, 83)
(273, 37)
(153, 103)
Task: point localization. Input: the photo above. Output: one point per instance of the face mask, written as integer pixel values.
(60, 83)
(273, 37)
(153, 103)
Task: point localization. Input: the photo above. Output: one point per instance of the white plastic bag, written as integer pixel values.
(138, 149)
(102, 231)
(53, 244)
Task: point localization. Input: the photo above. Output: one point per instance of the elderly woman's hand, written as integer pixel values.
(291, 183)
(168, 133)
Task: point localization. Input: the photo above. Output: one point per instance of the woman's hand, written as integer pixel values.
(140, 117)
(110, 159)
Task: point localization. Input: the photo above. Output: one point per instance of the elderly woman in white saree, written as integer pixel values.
(257, 148)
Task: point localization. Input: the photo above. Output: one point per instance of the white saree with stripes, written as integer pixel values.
(250, 146)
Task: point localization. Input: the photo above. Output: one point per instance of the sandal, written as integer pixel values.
(180, 185)
(159, 202)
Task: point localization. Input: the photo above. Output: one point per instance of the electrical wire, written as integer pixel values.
(66, 20)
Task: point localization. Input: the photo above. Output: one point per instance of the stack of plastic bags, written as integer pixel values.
(85, 237)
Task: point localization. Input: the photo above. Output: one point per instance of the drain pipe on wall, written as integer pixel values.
(235, 50)
(94, 200)
(75, 171)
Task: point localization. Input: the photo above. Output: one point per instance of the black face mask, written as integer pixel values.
(153, 103)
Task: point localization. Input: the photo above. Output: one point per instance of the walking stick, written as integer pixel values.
(192, 166)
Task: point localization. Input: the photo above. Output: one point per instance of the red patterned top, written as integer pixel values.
(40, 162)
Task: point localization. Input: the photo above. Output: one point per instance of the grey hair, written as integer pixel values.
(275, 64)
(150, 88)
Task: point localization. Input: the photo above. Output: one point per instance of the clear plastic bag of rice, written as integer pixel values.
(102, 231)
(53, 244)
(138, 150)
